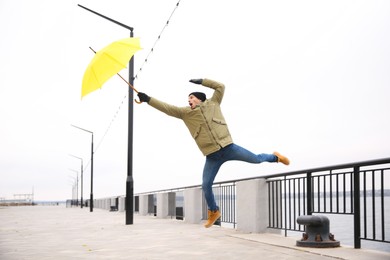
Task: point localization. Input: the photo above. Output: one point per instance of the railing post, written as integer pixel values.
(252, 205)
(309, 194)
(193, 205)
(356, 205)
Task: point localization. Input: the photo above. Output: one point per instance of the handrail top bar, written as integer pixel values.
(320, 169)
(333, 167)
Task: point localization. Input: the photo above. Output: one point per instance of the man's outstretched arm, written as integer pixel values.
(217, 86)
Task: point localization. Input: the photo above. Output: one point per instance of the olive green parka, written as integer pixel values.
(206, 122)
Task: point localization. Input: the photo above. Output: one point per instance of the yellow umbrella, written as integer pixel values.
(108, 62)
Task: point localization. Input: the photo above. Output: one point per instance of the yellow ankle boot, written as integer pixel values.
(282, 159)
(212, 217)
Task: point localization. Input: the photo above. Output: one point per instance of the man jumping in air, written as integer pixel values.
(205, 121)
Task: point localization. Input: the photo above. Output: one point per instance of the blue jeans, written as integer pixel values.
(216, 159)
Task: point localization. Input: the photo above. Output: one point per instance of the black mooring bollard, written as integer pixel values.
(317, 232)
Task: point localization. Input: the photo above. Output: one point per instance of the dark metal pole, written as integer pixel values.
(77, 185)
(91, 196)
(309, 194)
(82, 177)
(356, 210)
(129, 180)
(82, 183)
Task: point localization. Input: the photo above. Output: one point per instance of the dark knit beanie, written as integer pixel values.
(199, 95)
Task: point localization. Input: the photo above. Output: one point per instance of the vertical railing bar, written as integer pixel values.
(294, 199)
(312, 194)
(330, 191)
(351, 196)
(224, 196)
(221, 201)
(228, 199)
(382, 206)
(304, 195)
(234, 204)
(299, 200)
(373, 205)
(224, 199)
(225, 202)
(273, 204)
(289, 204)
(324, 194)
(285, 205)
(364, 204)
(318, 194)
(228, 202)
(337, 194)
(356, 220)
(281, 204)
(277, 203)
(344, 193)
(230, 194)
(269, 203)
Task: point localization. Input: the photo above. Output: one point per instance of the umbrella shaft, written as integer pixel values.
(128, 83)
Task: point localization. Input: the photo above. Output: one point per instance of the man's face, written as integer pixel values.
(193, 101)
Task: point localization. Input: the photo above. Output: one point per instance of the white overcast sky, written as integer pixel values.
(309, 79)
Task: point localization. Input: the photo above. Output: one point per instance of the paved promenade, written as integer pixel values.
(56, 232)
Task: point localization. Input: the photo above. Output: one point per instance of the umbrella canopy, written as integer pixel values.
(108, 62)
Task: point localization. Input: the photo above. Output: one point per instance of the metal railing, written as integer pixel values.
(225, 197)
(357, 189)
(340, 189)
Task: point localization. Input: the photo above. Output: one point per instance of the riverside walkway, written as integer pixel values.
(56, 232)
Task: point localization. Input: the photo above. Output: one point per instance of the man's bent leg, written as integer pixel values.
(236, 152)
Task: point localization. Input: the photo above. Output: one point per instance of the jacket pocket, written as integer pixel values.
(220, 128)
(196, 133)
(219, 121)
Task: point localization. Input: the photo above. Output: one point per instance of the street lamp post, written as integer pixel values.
(91, 196)
(129, 181)
(82, 179)
(77, 185)
(73, 191)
